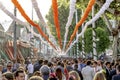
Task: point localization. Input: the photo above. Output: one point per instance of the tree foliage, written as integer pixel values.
(102, 40)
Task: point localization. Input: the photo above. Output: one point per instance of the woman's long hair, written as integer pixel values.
(73, 75)
(99, 76)
(35, 78)
(58, 73)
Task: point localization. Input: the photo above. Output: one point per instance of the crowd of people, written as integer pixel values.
(60, 69)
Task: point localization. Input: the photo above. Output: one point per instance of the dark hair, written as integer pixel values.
(45, 61)
(112, 64)
(76, 61)
(75, 66)
(17, 73)
(118, 68)
(62, 64)
(89, 62)
(53, 79)
(107, 63)
(58, 63)
(40, 61)
(50, 64)
(95, 62)
(59, 73)
(71, 78)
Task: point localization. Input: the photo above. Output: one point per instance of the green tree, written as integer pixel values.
(102, 40)
(113, 13)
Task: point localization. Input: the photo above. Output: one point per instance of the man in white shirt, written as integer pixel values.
(30, 69)
(45, 70)
(96, 67)
(88, 72)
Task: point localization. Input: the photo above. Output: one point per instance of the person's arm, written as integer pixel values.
(113, 78)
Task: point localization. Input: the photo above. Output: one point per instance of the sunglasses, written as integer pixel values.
(9, 66)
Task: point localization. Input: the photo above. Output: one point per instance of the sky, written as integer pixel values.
(5, 20)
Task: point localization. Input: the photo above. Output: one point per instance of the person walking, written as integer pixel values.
(88, 71)
(99, 76)
(117, 76)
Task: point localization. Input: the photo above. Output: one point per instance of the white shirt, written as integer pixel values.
(88, 73)
(79, 67)
(30, 68)
(26, 77)
(97, 69)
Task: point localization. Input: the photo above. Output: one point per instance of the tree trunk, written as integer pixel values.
(115, 46)
(115, 33)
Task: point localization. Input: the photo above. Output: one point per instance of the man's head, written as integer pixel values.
(20, 75)
(45, 62)
(94, 64)
(75, 66)
(75, 61)
(40, 61)
(9, 65)
(118, 69)
(89, 62)
(107, 64)
(50, 64)
(7, 76)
